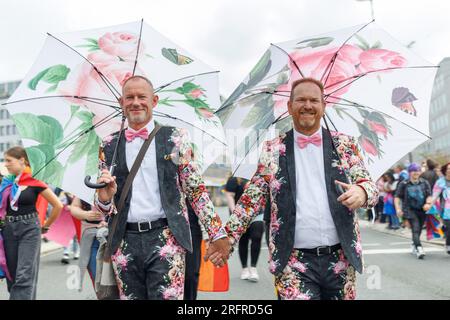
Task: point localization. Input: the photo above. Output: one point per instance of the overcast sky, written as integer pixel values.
(228, 35)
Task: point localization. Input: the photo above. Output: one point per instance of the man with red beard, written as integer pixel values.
(314, 239)
(152, 234)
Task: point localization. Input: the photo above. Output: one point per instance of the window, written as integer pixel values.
(7, 130)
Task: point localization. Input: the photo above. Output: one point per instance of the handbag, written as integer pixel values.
(105, 282)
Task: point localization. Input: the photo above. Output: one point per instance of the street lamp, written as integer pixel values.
(371, 7)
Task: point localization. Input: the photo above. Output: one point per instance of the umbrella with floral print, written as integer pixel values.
(376, 90)
(68, 102)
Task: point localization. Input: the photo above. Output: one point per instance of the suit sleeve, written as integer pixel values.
(360, 175)
(252, 201)
(194, 188)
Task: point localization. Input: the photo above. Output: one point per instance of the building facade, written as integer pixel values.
(8, 132)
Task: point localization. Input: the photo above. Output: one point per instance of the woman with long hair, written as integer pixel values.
(19, 193)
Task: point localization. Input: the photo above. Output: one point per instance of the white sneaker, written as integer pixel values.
(76, 255)
(253, 275)
(420, 253)
(413, 249)
(245, 274)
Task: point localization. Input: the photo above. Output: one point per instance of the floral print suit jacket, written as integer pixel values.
(179, 181)
(274, 183)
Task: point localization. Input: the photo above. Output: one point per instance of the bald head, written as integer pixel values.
(137, 78)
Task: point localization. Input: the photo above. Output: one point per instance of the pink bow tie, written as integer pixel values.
(130, 134)
(315, 139)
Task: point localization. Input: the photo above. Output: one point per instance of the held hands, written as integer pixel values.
(218, 252)
(426, 207)
(107, 193)
(94, 216)
(353, 197)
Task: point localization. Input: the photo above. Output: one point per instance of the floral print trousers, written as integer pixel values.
(150, 266)
(311, 277)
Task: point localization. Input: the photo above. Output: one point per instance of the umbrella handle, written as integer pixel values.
(89, 184)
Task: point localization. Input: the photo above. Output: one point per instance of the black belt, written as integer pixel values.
(145, 226)
(21, 217)
(323, 250)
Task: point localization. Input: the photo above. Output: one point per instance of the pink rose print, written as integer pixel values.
(378, 128)
(368, 146)
(206, 113)
(86, 82)
(358, 248)
(300, 267)
(121, 260)
(378, 59)
(280, 99)
(120, 44)
(340, 266)
(315, 63)
(196, 93)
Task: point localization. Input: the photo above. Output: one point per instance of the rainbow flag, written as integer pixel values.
(212, 279)
(434, 227)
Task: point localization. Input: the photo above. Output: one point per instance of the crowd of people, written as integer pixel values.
(409, 196)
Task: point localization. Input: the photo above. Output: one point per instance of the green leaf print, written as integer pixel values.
(52, 75)
(260, 70)
(43, 129)
(315, 42)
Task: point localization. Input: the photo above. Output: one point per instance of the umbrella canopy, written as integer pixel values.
(376, 90)
(68, 102)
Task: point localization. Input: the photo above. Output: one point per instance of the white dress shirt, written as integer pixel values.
(314, 225)
(146, 199)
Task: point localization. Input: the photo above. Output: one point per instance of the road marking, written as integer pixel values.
(371, 244)
(398, 243)
(391, 251)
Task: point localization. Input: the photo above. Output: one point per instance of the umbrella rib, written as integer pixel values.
(102, 76)
(333, 60)
(359, 76)
(99, 123)
(290, 58)
(357, 105)
(76, 138)
(137, 51)
(162, 114)
(195, 75)
(246, 97)
(65, 96)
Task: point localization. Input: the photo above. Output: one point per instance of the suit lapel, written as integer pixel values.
(121, 153)
(328, 156)
(161, 140)
(289, 162)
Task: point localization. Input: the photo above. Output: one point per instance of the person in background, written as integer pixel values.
(234, 189)
(441, 199)
(22, 229)
(430, 174)
(389, 208)
(410, 198)
(379, 207)
(73, 246)
(91, 220)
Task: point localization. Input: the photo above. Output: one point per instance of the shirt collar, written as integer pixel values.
(298, 134)
(150, 126)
